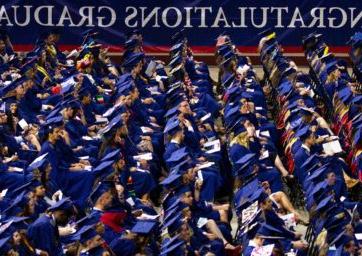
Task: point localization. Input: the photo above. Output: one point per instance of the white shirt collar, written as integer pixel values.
(306, 147)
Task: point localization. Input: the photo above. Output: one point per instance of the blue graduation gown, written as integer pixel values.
(43, 234)
(299, 159)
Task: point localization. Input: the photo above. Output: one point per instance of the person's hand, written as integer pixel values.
(43, 253)
(67, 230)
(148, 101)
(198, 184)
(78, 148)
(210, 236)
(15, 157)
(298, 235)
(186, 122)
(24, 147)
(129, 235)
(83, 161)
(153, 119)
(201, 159)
(300, 245)
(56, 196)
(137, 212)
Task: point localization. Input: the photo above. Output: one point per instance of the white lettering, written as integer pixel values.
(101, 19)
(178, 17)
(317, 17)
(27, 15)
(49, 20)
(153, 13)
(242, 19)
(86, 12)
(203, 14)
(220, 17)
(131, 16)
(264, 18)
(297, 17)
(355, 20)
(331, 20)
(279, 15)
(188, 17)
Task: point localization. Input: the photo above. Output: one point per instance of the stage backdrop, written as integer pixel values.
(203, 21)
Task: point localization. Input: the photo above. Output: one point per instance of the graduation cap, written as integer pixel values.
(246, 160)
(357, 100)
(4, 245)
(227, 58)
(89, 219)
(113, 155)
(16, 205)
(232, 111)
(269, 232)
(286, 89)
(27, 155)
(65, 204)
(174, 223)
(30, 64)
(182, 190)
(246, 191)
(267, 33)
(103, 166)
(332, 66)
(227, 80)
(125, 88)
(133, 60)
(130, 44)
(223, 49)
(169, 241)
(38, 162)
(345, 95)
(12, 224)
(133, 32)
(357, 136)
(171, 180)
(172, 111)
(342, 239)
(115, 123)
(175, 61)
(178, 37)
(143, 227)
(309, 40)
(318, 174)
(325, 204)
(259, 195)
(177, 155)
(169, 249)
(319, 190)
(29, 186)
(311, 160)
(172, 126)
(99, 190)
(12, 86)
(85, 233)
(176, 48)
(303, 133)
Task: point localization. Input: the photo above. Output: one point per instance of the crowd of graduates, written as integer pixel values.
(148, 158)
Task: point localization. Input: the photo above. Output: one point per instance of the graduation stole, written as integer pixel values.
(43, 72)
(241, 139)
(350, 182)
(290, 144)
(51, 50)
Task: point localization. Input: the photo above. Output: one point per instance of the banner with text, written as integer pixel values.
(203, 21)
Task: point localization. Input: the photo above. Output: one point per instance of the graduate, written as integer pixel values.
(57, 215)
